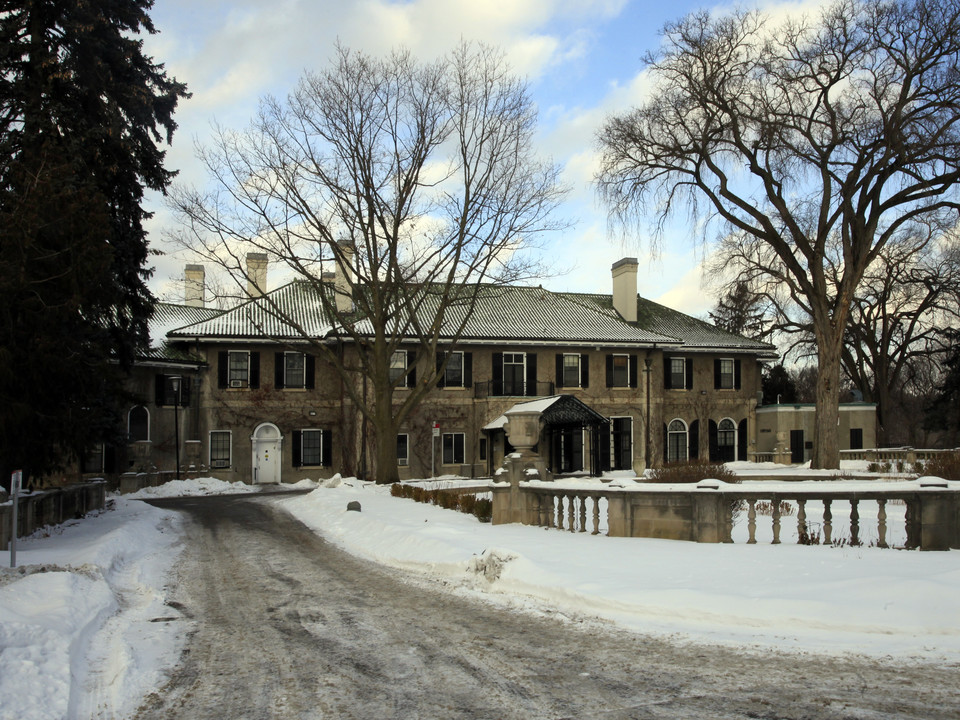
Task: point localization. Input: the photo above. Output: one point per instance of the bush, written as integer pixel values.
(481, 508)
(693, 472)
(945, 465)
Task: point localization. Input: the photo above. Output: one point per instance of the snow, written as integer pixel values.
(85, 631)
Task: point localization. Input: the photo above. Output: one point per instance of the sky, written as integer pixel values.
(582, 59)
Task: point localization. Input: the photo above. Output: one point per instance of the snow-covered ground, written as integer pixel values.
(82, 631)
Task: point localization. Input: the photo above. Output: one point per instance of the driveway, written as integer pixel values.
(285, 625)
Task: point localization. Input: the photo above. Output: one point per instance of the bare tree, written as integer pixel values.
(415, 183)
(809, 136)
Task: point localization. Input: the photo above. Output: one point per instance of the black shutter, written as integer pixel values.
(310, 370)
(688, 375)
(412, 368)
(325, 448)
(667, 374)
(278, 370)
(497, 374)
(468, 369)
(714, 442)
(442, 379)
(609, 370)
(186, 382)
(633, 371)
(742, 440)
(559, 370)
(254, 370)
(736, 374)
(160, 389)
(584, 370)
(695, 440)
(716, 374)
(531, 373)
(222, 369)
(297, 448)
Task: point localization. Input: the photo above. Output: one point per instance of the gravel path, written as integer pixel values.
(285, 625)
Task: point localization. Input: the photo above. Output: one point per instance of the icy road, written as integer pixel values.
(284, 625)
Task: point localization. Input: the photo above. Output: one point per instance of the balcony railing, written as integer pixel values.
(502, 388)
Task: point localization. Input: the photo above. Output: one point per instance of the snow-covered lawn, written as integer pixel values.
(82, 631)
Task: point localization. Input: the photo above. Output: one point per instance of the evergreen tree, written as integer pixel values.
(739, 310)
(83, 111)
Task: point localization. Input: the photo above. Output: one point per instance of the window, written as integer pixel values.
(678, 373)
(570, 371)
(220, 449)
(138, 424)
(567, 445)
(311, 447)
(453, 375)
(616, 444)
(514, 373)
(398, 365)
(727, 440)
(483, 448)
(293, 370)
(403, 449)
(677, 441)
(453, 449)
(856, 438)
(726, 374)
(622, 371)
(238, 374)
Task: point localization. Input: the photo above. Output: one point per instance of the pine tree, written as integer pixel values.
(83, 112)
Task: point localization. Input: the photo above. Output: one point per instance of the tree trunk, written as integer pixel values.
(826, 440)
(384, 438)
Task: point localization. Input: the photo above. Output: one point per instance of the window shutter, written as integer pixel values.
(160, 389)
(713, 441)
(310, 369)
(442, 379)
(742, 440)
(666, 447)
(186, 382)
(667, 374)
(559, 370)
(412, 367)
(694, 438)
(716, 374)
(325, 448)
(736, 374)
(297, 448)
(468, 369)
(278, 370)
(531, 373)
(497, 374)
(584, 370)
(609, 370)
(633, 371)
(688, 375)
(254, 370)
(222, 369)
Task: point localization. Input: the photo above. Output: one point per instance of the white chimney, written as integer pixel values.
(256, 274)
(343, 281)
(194, 285)
(625, 288)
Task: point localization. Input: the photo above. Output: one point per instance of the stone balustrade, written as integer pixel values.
(707, 512)
(50, 507)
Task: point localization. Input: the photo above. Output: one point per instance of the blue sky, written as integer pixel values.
(583, 59)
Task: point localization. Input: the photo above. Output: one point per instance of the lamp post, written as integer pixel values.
(175, 384)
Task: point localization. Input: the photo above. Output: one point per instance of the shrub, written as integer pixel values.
(918, 467)
(945, 465)
(483, 509)
(693, 472)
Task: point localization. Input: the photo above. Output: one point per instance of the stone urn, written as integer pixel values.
(523, 431)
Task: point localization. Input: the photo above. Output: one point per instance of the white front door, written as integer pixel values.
(267, 446)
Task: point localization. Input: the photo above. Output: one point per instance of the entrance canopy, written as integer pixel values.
(557, 411)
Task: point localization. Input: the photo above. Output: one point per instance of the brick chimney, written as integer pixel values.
(256, 274)
(625, 288)
(343, 280)
(194, 285)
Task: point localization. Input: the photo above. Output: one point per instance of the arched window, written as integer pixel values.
(727, 440)
(677, 441)
(138, 424)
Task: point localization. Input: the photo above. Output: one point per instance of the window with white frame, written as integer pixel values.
(311, 447)
(727, 374)
(294, 373)
(620, 372)
(571, 370)
(727, 440)
(238, 364)
(678, 373)
(398, 365)
(220, 441)
(403, 449)
(677, 445)
(453, 448)
(514, 373)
